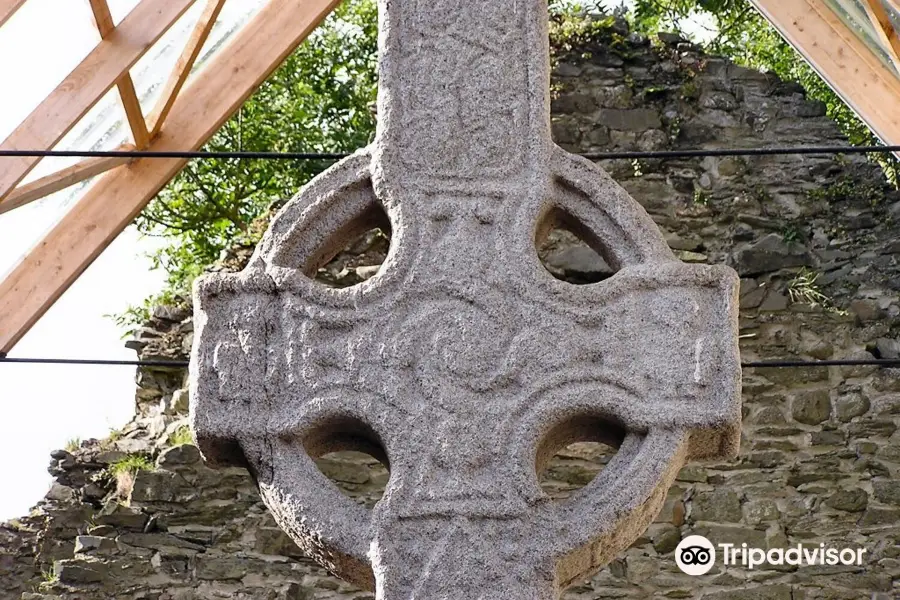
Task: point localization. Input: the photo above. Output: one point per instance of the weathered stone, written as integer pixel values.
(666, 539)
(887, 491)
(91, 543)
(761, 592)
(108, 457)
(851, 405)
(811, 408)
(77, 572)
(220, 567)
(460, 383)
(60, 493)
(637, 119)
(579, 260)
(851, 500)
(101, 530)
(759, 511)
(716, 506)
(184, 454)
(880, 516)
(770, 253)
(121, 517)
(160, 486)
(866, 310)
(180, 401)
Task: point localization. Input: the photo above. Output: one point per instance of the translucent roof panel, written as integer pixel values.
(49, 41)
(855, 16)
(152, 70)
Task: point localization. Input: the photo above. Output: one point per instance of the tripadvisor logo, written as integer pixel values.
(696, 555)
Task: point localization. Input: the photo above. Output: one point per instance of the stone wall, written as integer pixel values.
(813, 238)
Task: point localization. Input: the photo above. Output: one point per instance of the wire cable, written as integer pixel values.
(180, 364)
(632, 155)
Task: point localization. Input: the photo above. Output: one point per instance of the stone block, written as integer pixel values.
(80, 572)
(638, 119)
(811, 408)
(770, 253)
(754, 592)
(849, 500)
(718, 506)
(887, 491)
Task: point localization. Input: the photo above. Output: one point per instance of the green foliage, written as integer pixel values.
(791, 233)
(733, 28)
(131, 464)
(572, 30)
(805, 289)
(851, 188)
(181, 436)
(49, 578)
(114, 435)
(73, 444)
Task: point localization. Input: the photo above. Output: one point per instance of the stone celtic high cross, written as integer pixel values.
(463, 364)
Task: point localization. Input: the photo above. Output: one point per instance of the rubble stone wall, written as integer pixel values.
(814, 239)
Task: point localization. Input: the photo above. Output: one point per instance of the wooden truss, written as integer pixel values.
(868, 85)
(186, 116)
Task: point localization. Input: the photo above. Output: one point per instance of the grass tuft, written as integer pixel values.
(131, 464)
(181, 436)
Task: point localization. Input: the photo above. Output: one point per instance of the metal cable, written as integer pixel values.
(760, 364)
(633, 155)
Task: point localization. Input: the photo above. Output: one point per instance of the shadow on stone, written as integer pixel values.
(569, 251)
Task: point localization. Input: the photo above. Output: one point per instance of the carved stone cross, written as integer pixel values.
(463, 364)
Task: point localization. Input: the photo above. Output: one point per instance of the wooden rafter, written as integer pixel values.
(184, 65)
(116, 199)
(84, 86)
(865, 83)
(130, 102)
(37, 189)
(884, 28)
(8, 9)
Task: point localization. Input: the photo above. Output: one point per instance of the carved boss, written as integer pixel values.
(463, 364)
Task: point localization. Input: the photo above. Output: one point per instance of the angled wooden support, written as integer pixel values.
(184, 65)
(864, 82)
(884, 28)
(37, 189)
(8, 9)
(116, 199)
(128, 95)
(84, 86)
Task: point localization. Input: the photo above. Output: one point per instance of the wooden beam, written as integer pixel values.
(860, 78)
(116, 199)
(8, 8)
(133, 112)
(184, 65)
(102, 17)
(84, 86)
(37, 189)
(884, 28)
(131, 104)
